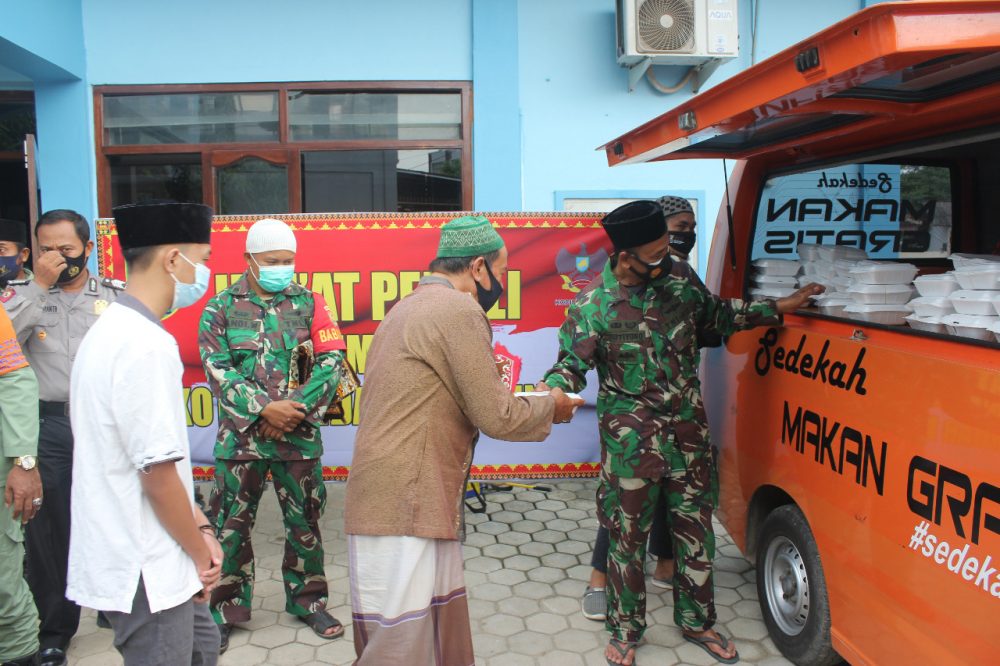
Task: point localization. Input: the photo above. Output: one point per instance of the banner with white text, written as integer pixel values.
(363, 264)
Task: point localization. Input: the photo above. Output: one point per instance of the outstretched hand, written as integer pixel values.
(799, 298)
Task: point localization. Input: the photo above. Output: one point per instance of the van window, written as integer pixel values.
(891, 211)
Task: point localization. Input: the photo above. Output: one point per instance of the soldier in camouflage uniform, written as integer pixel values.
(638, 323)
(246, 337)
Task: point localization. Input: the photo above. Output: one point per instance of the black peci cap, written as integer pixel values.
(635, 223)
(13, 231)
(146, 224)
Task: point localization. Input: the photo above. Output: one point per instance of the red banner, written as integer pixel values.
(363, 264)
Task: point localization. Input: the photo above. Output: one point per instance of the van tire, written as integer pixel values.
(791, 589)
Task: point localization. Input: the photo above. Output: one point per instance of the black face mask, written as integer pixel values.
(488, 297)
(653, 271)
(74, 266)
(682, 242)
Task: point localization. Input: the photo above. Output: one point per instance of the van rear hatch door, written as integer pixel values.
(889, 74)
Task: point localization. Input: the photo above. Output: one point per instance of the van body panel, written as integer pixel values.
(893, 449)
(853, 462)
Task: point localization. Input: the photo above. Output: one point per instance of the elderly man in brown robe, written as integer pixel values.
(431, 385)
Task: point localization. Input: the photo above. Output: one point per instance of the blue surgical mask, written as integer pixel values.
(274, 278)
(185, 293)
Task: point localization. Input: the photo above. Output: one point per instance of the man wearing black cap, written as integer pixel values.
(638, 323)
(51, 314)
(140, 549)
(14, 251)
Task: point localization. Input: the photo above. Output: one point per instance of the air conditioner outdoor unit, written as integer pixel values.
(676, 32)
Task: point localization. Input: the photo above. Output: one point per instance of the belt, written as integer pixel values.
(47, 408)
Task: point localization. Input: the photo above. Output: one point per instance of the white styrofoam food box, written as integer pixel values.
(776, 280)
(835, 252)
(932, 306)
(979, 276)
(881, 293)
(777, 266)
(970, 326)
(936, 285)
(889, 315)
(890, 272)
(975, 302)
(930, 324)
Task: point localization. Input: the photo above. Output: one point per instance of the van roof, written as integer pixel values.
(890, 73)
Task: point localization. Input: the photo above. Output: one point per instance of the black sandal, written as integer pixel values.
(704, 641)
(320, 621)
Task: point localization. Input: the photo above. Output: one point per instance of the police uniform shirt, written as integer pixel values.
(50, 325)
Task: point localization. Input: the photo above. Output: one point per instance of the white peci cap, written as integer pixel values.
(270, 234)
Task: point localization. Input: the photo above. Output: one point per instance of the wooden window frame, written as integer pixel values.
(293, 149)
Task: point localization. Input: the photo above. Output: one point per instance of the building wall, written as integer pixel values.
(547, 91)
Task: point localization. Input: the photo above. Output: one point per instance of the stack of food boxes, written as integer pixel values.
(963, 302)
(880, 290)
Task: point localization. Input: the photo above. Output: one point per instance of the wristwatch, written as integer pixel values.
(27, 463)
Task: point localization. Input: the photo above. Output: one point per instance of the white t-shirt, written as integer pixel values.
(127, 414)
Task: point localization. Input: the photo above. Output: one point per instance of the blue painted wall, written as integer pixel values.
(213, 41)
(42, 42)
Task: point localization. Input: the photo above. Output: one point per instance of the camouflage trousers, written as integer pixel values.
(626, 506)
(239, 485)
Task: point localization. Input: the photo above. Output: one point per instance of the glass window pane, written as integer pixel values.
(382, 180)
(252, 186)
(890, 211)
(190, 118)
(138, 178)
(321, 116)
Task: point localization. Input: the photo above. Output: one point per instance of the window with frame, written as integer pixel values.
(287, 148)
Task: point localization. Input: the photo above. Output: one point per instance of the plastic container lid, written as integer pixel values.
(773, 291)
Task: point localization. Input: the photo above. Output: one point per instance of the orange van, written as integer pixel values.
(860, 443)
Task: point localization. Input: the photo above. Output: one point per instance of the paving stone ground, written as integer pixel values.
(527, 562)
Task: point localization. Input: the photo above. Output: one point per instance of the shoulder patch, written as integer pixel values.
(113, 283)
(6, 295)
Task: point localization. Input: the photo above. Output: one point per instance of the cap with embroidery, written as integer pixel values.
(672, 205)
(269, 234)
(468, 236)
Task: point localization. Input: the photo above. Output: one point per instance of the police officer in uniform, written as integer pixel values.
(51, 314)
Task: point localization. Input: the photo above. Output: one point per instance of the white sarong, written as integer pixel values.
(409, 602)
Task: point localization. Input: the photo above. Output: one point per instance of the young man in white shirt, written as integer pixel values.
(140, 549)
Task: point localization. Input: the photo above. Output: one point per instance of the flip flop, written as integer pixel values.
(704, 641)
(622, 648)
(320, 621)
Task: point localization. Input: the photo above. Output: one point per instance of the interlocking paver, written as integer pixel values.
(527, 563)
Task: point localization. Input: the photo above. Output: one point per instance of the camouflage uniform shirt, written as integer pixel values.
(643, 343)
(246, 344)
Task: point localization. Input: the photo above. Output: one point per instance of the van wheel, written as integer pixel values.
(791, 589)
